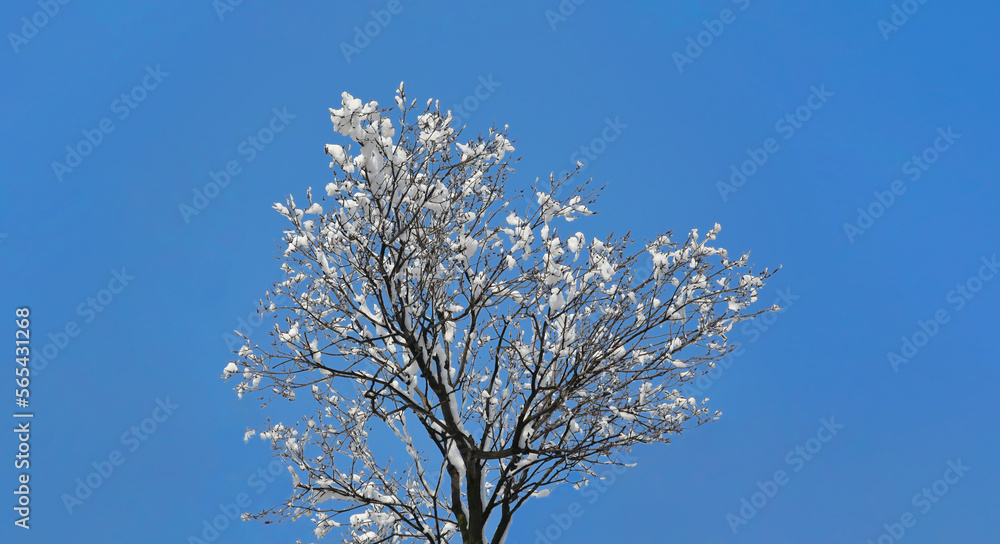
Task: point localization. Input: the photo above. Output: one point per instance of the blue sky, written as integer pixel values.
(838, 110)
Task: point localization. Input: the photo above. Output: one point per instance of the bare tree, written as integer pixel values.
(463, 354)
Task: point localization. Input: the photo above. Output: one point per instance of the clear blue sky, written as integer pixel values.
(197, 87)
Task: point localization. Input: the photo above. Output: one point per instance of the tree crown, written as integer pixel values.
(504, 355)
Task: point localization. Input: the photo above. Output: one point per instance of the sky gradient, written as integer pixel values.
(850, 143)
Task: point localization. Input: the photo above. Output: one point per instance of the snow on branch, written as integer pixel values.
(460, 357)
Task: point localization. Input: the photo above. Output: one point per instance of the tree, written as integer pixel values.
(435, 322)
